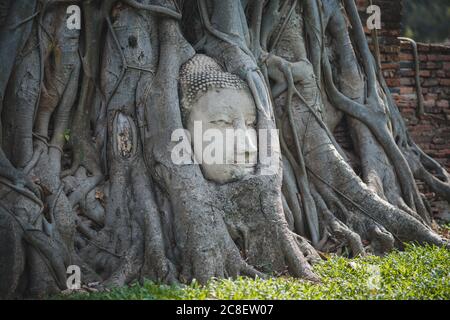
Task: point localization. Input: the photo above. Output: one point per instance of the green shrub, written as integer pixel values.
(417, 273)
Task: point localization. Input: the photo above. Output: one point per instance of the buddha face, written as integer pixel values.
(232, 113)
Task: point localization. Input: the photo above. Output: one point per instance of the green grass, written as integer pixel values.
(416, 273)
(446, 227)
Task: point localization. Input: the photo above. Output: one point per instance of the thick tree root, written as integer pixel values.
(86, 174)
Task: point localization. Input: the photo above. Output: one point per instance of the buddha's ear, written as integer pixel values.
(185, 110)
(185, 105)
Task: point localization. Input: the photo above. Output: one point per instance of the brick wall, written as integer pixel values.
(432, 132)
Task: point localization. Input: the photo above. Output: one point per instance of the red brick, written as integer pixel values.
(389, 66)
(393, 83)
(422, 47)
(443, 104)
(432, 65)
(406, 90)
(407, 73)
(429, 103)
(431, 96)
(433, 57)
(407, 82)
(425, 73)
(423, 58)
(389, 74)
(406, 57)
(440, 74)
(430, 82)
(443, 153)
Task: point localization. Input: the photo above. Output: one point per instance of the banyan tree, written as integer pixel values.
(87, 140)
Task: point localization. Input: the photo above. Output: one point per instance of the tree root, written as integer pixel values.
(106, 196)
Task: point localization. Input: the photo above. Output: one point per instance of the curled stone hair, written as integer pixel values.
(200, 74)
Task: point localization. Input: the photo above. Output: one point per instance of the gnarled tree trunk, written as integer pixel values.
(86, 173)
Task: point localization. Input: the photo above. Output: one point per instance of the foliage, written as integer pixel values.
(416, 273)
(427, 21)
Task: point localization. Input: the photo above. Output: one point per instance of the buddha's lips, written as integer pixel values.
(243, 165)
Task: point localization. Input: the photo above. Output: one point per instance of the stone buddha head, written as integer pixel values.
(219, 102)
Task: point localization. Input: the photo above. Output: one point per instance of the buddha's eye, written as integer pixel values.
(221, 122)
(252, 124)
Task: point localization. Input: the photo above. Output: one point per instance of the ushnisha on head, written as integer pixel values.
(221, 101)
(201, 74)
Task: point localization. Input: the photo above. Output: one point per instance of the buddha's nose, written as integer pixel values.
(246, 144)
(251, 141)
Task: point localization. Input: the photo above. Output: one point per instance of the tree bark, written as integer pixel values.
(86, 173)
